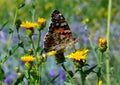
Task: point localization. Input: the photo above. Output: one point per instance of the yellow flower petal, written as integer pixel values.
(79, 55)
(51, 53)
(28, 25)
(99, 82)
(41, 21)
(28, 58)
(102, 44)
(102, 41)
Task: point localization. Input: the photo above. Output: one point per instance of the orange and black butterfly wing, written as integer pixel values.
(59, 36)
(59, 32)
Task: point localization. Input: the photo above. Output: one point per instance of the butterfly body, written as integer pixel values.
(59, 36)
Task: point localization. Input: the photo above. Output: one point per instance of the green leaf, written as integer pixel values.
(20, 44)
(53, 79)
(2, 75)
(90, 69)
(68, 83)
(18, 82)
(4, 59)
(4, 24)
(14, 48)
(21, 5)
(26, 74)
(34, 74)
(10, 31)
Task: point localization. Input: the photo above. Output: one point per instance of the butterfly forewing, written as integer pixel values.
(59, 35)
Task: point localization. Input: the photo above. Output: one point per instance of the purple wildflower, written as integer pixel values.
(82, 30)
(62, 75)
(52, 73)
(10, 78)
(85, 40)
(7, 80)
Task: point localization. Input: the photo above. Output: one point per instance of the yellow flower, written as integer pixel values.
(99, 82)
(28, 58)
(41, 22)
(77, 13)
(102, 44)
(49, 5)
(102, 41)
(86, 20)
(28, 25)
(51, 53)
(79, 55)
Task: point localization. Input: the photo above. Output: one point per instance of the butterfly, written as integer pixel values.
(59, 36)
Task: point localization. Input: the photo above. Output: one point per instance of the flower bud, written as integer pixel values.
(17, 69)
(30, 51)
(41, 23)
(20, 75)
(29, 32)
(102, 44)
(28, 65)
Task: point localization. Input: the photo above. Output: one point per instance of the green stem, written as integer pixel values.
(3, 83)
(40, 71)
(18, 34)
(95, 54)
(100, 66)
(33, 15)
(101, 60)
(28, 78)
(13, 25)
(108, 22)
(20, 40)
(108, 39)
(82, 77)
(92, 46)
(38, 43)
(11, 35)
(32, 43)
(68, 75)
(39, 35)
(107, 71)
(33, 10)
